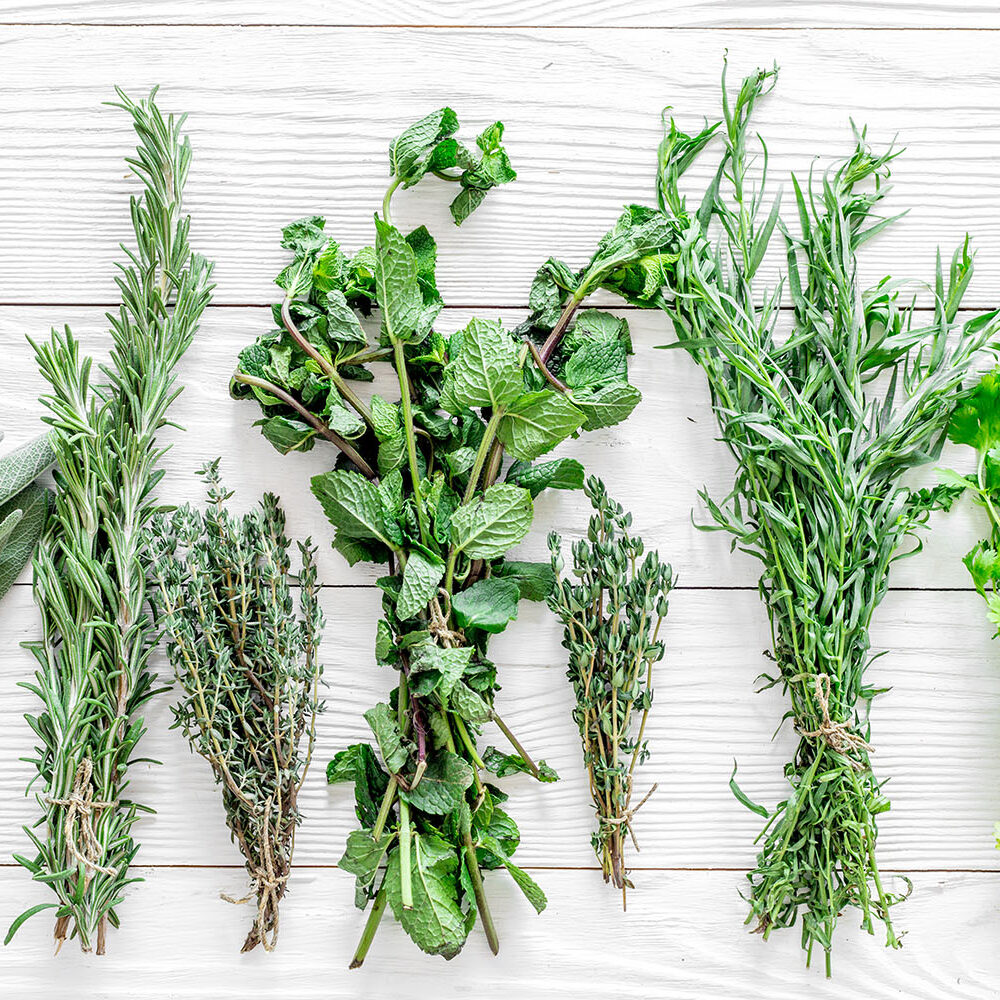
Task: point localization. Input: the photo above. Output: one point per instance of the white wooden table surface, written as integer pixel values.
(291, 107)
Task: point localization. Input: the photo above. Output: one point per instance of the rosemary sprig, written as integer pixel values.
(612, 618)
(90, 569)
(821, 449)
(247, 669)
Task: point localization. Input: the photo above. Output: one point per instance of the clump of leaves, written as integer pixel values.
(439, 486)
(611, 615)
(820, 449)
(90, 569)
(247, 668)
(24, 506)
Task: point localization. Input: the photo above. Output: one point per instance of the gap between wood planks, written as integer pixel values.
(478, 27)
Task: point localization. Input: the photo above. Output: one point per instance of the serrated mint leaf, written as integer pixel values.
(364, 855)
(434, 668)
(596, 363)
(504, 764)
(352, 504)
(396, 285)
(556, 474)
(435, 923)
(536, 422)
(465, 203)
(484, 371)
(410, 154)
(343, 421)
(385, 418)
(286, 434)
(391, 453)
(552, 283)
(357, 764)
(467, 704)
(488, 604)
(606, 406)
(489, 525)
(382, 721)
(535, 581)
(425, 258)
(491, 169)
(305, 234)
(342, 322)
(532, 891)
(421, 577)
(442, 786)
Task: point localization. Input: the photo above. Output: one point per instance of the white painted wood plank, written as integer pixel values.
(558, 13)
(683, 937)
(936, 735)
(290, 121)
(655, 463)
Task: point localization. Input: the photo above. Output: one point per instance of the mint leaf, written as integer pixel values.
(535, 581)
(488, 604)
(435, 923)
(484, 371)
(352, 504)
(382, 721)
(396, 285)
(606, 406)
(410, 155)
(434, 668)
(442, 787)
(536, 422)
(421, 576)
(552, 283)
(364, 855)
(556, 474)
(489, 525)
(342, 322)
(505, 764)
(286, 434)
(493, 168)
(467, 704)
(525, 882)
(358, 764)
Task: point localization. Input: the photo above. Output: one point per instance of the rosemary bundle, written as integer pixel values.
(247, 670)
(422, 485)
(821, 450)
(90, 570)
(612, 618)
(24, 506)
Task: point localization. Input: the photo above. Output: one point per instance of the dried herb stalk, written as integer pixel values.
(819, 499)
(612, 612)
(247, 669)
(425, 486)
(90, 570)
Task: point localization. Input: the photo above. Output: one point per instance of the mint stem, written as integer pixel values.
(371, 926)
(515, 743)
(405, 871)
(472, 863)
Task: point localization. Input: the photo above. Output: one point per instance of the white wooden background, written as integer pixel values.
(291, 107)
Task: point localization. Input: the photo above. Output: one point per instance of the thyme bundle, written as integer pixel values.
(818, 498)
(612, 618)
(422, 486)
(24, 506)
(90, 569)
(248, 672)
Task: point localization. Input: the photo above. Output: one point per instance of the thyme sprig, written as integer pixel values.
(90, 569)
(612, 613)
(820, 449)
(247, 669)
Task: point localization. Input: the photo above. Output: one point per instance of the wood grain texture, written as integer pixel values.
(294, 121)
(683, 938)
(936, 736)
(655, 463)
(781, 14)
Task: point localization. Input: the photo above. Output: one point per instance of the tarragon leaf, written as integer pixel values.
(489, 525)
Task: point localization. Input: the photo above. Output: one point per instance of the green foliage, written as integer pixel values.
(246, 666)
(611, 614)
(90, 568)
(821, 449)
(428, 489)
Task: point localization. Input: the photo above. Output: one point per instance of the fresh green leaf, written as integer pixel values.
(536, 422)
(488, 604)
(421, 577)
(488, 526)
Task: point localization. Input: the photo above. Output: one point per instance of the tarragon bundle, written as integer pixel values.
(824, 416)
(612, 612)
(248, 672)
(24, 506)
(90, 570)
(422, 486)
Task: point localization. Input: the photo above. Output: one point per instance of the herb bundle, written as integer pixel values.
(818, 497)
(91, 566)
(24, 506)
(612, 618)
(421, 485)
(247, 668)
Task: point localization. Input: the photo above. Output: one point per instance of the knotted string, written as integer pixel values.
(81, 840)
(839, 736)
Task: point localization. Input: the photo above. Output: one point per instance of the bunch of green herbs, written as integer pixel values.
(90, 570)
(247, 668)
(824, 420)
(611, 613)
(439, 486)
